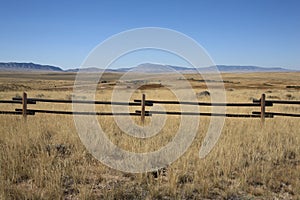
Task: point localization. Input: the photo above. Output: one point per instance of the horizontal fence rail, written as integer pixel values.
(14, 113)
(76, 113)
(278, 114)
(16, 101)
(278, 102)
(205, 114)
(206, 104)
(262, 103)
(80, 102)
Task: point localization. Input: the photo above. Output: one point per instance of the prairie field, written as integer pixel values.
(43, 157)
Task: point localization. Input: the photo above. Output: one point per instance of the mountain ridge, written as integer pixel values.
(143, 68)
(22, 66)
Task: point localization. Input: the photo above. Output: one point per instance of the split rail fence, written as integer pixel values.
(262, 103)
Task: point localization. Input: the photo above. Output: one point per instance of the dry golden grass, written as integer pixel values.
(43, 158)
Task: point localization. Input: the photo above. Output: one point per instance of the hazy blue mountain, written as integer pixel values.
(88, 69)
(158, 68)
(236, 68)
(141, 68)
(155, 68)
(13, 66)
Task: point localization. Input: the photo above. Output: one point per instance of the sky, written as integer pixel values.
(233, 32)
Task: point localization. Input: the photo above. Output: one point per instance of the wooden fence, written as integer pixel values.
(262, 103)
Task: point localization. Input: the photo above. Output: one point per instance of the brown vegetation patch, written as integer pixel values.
(13, 87)
(151, 86)
(293, 86)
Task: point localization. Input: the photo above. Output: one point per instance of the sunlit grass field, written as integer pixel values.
(43, 157)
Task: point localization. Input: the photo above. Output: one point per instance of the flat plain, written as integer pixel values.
(43, 157)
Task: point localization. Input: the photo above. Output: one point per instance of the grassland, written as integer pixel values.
(43, 158)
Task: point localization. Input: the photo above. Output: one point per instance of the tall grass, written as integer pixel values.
(43, 158)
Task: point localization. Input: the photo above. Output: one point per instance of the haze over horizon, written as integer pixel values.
(62, 33)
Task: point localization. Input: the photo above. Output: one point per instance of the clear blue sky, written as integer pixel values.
(62, 33)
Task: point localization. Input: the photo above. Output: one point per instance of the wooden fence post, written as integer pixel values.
(143, 103)
(24, 103)
(263, 108)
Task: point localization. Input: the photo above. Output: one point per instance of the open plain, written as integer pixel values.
(43, 157)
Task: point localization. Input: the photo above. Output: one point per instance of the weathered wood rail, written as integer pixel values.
(262, 103)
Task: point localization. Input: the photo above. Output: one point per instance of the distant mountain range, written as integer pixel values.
(157, 68)
(143, 68)
(13, 66)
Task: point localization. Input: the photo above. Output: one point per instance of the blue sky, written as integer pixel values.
(241, 32)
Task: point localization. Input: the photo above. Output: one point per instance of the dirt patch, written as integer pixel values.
(151, 86)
